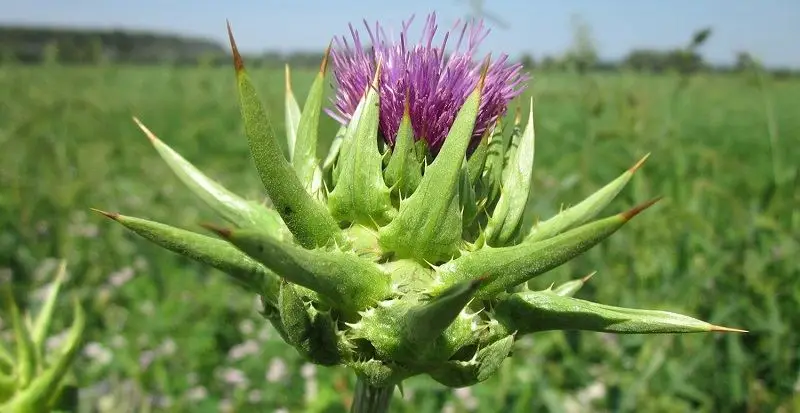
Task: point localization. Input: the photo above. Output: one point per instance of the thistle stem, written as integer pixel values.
(371, 399)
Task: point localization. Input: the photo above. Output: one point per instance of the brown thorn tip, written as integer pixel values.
(288, 77)
(484, 72)
(147, 132)
(639, 164)
(238, 64)
(727, 329)
(377, 76)
(112, 215)
(629, 214)
(222, 232)
(324, 66)
(588, 276)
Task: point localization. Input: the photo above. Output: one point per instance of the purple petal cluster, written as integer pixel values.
(434, 82)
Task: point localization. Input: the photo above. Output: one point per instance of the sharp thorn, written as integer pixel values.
(639, 164)
(628, 215)
(588, 276)
(238, 64)
(147, 132)
(111, 215)
(727, 329)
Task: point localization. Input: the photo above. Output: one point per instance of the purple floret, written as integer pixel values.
(436, 82)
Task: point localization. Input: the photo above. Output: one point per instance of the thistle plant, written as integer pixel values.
(403, 252)
(32, 381)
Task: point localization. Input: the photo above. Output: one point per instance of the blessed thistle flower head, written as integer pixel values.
(433, 83)
(388, 259)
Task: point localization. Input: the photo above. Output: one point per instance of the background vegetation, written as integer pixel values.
(169, 335)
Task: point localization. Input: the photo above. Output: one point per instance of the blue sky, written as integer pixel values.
(769, 29)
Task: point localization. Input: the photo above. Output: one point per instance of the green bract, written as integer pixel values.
(32, 381)
(395, 263)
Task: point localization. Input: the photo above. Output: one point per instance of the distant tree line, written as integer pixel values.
(78, 46)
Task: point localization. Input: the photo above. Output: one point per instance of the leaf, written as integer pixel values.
(228, 205)
(507, 267)
(309, 220)
(343, 280)
(305, 160)
(505, 219)
(428, 225)
(361, 195)
(208, 250)
(534, 311)
(404, 171)
(569, 288)
(583, 211)
(292, 116)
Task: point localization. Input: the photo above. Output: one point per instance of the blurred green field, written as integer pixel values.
(166, 334)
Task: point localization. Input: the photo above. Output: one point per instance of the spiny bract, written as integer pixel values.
(403, 252)
(33, 380)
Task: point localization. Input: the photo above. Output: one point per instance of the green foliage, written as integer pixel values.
(720, 246)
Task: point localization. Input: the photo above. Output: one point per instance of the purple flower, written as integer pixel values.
(435, 83)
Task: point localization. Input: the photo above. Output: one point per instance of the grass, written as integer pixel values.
(166, 334)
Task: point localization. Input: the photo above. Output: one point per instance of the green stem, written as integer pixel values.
(371, 399)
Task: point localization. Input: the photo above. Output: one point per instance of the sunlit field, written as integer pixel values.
(167, 334)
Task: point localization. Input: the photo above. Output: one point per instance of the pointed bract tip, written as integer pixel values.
(376, 77)
(323, 67)
(222, 232)
(238, 64)
(518, 114)
(722, 329)
(587, 277)
(484, 72)
(629, 214)
(111, 215)
(147, 132)
(639, 164)
(288, 79)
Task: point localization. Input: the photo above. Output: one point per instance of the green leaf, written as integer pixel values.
(569, 288)
(404, 171)
(292, 116)
(361, 195)
(309, 220)
(457, 373)
(534, 311)
(208, 250)
(470, 206)
(505, 219)
(311, 332)
(477, 161)
(426, 322)
(228, 205)
(45, 316)
(428, 225)
(585, 210)
(305, 160)
(6, 360)
(43, 388)
(507, 267)
(333, 152)
(348, 138)
(493, 175)
(8, 385)
(378, 373)
(342, 279)
(26, 351)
